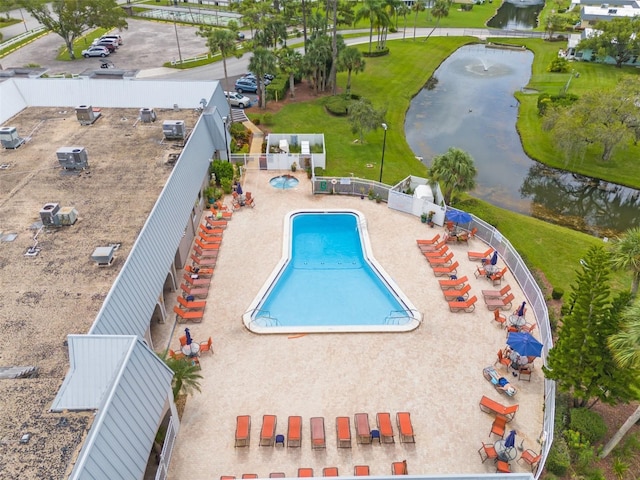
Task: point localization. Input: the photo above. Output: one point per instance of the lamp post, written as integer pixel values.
(226, 143)
(384, 144)
(175, 27)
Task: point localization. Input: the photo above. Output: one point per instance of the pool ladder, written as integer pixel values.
(395, 317)
(265, 316)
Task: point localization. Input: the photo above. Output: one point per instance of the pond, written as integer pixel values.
(472, 107)
(516, 16)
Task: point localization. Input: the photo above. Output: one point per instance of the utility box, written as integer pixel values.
(86, 115)
(103, 256)
(48, 214)
(9, 137)
(174, 129)
(67, 216)
(73, 158)
(147, 115)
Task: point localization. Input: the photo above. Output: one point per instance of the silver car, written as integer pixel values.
(96, 51)
(238, 100)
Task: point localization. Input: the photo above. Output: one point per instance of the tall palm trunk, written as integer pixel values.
(334, 51)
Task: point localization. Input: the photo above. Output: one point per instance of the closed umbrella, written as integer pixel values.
(525, 344)
(510, 441)
(494, 258)
(239, 189)
(188, 334)
(457, 216)
(520, 311)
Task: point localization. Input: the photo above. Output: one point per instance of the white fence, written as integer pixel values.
(21, 37)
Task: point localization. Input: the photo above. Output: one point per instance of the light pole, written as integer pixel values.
(175, 27)
(226, 144)
(384, 144)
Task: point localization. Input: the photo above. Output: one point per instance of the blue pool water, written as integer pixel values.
(327, 280)
(284, 182)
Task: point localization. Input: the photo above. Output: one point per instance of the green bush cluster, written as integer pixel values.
(239, 132)
(223, 170)
(278, 88)
(558, 65)
(339, 105)
(589, 424)
(376, 53)
(558, 460)
(545, 101)
(557, 293)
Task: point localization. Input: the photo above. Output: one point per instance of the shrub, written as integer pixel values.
(589, 424)
(226, 185)
(338, 105)
(558, 65)
(256, 121)
(376, 53)
(267, 119)
(223, 171)
(558, 460)
(277, 89)
(239, 133)
(545, 101)
(318, 171)
(557, 293)
(620, 468)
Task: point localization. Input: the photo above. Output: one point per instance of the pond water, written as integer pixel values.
(472, 107)
(516, 16)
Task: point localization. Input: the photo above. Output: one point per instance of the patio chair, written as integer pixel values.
(437, 253)
(453, 294)
(480, 272)
(463, 306)
(405, 428)
(528, 327)
(479, 255)
(383, 421)
(183, 340)
(249, 200)
(531, 458)
(243, 430)
(446, 270)
(502, 467)
(190, 316)
(361, 471)
(453, 283)
(207, 346)
(496, 278)
(503, 360)
(318, 439)
(330, 472)
(399, 468)
(363, 431)
(190, 305)
(203, 262)
(268, 432)
(305, 472)
(343, 432)
(489, 452)
(524, 373)
(294, 431)
(430, 241)
(496, 293)
(498, 426)
(501, 303)
(177, 356)
(198, 292)
(440, 261)
(498, 317)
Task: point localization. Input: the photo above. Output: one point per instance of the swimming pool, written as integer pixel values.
(328, 281)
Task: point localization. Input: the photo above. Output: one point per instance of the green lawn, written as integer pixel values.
(80, 44)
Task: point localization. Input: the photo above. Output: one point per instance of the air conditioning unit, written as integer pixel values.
(103, 256)
(147, 115)
(86, 115)
(174, 129)
(9, 137)
(66, 216)
(73, 158)
(48, 214)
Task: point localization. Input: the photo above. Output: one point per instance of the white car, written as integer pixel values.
(95, 52)
(238, 100)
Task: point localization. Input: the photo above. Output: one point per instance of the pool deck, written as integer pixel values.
(433, 372)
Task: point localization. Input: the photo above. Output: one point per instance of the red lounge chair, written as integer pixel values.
(215, 224)
(437, 253)
(456, 283)
(399, 468)
(383, 420)
(431, 241)
(405, 428)
(496, 293)
(198, 292)
(318, 439)
(294, 431)
(491, 406)
(467, 306)
(361, 471)
(191, 316)
(431, 248)
(200, 253)
(501, 303)
(277, 475)
(220, 214)
(330, 472)
(189, 305)
(440, 261)
(268, 432)
(479, 255)
(249, 475)
(212, 230)
(207, 246)
(343, 433)
(243, 430)
(305, 472)
(204, 262)
(201, 272)
(363, 431)
(209, 238)
(454, 294)
(446, 270)
(196, 281)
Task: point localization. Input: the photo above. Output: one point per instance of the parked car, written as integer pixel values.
(111, 46)
(117, 38)
(240, 36)
(266, 80)
(246, 85)
(238, 100)
(96, 52)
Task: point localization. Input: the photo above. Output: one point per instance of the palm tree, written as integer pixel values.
(290, 62)
(317, 58)
(455, 170)
(263, 61)
(369, 10)
(440, 9)
(186, 378)
(351, 60)
(418, 6)
(404, 10)
(626, 255)
(223, 41)
(625, 346)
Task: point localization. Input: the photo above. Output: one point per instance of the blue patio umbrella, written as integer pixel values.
(239, 189)
(520, 311)
(188, 334)
(457, 216)
(510, 441)
(494, 258)
(525, 344)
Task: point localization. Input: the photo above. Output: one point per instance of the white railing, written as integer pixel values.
(19, 38)
(189, 60)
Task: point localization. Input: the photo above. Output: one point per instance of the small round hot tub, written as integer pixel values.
(284, 182)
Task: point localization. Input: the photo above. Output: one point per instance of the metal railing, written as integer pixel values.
(21, 37)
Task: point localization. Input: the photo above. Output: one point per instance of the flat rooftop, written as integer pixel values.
(433, 372)
(59, 291)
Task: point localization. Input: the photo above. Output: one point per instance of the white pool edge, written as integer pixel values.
(368, 254)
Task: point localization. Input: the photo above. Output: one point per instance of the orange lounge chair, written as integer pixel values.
(268, 432)
(207, 246)
(363, 431)
(195, 292)
(479, 255)
(249, 475)
(399, 468)
(201, 272)
(216, 224)
(220, 214)
(440, 261)
(430, 241)
(343, 433)
(455, 283)
(204, 262)
(207, 239)
(197, 282)
(453, 294)
(191, 316)
(491, 406)
(467, 306)
(405, 428)
(446, 270)
(294, 432)
(277, 475)
(437, 253)
(305, 472)
(383, 420)
(501, 303)
(318, 439)
(361, 471)
(330, 472)
(243, 430)
(496, 293)
(190, 305)
(431, 248)
(227, 477)
(212, 230)
(201, 253)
